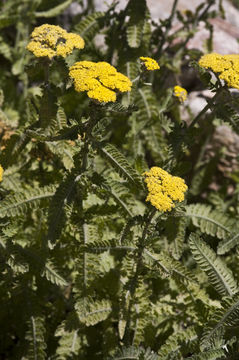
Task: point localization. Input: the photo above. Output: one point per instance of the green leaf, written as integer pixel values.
(92, 312)
(175, 231)
(36, 338)
(89, 26)
(18, 204)
(7, 20)
(218, 273)
(120, 164)
(227, 244)
(210, 222)
(133, 352)
(62, 197)
(50, 273)
(69, 342)
(48, 108)
(5, 50)
(213, 354)
(175, 342)
(57, 10)
(137, 13)
(226, 316)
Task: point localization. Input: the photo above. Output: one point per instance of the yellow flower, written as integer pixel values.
(226, 65)
(100, 80)
(50, 40)
(164, 188)
(1, 172)
(150, 63)
(180, 93)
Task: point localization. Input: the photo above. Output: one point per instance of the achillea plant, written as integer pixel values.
(103, 257)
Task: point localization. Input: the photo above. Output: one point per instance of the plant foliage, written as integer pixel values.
(89, 268)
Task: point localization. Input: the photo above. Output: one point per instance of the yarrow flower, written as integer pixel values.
(50, 40)
(150, 63)
(180, 93)
(1, 172)
(100, 80)
(164, 188)
(226, 65)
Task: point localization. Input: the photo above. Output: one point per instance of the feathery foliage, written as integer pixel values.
(218, 273)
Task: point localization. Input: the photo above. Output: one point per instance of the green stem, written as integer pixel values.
(46, 72)
(168, 27)
(134, 281)
(204, 110)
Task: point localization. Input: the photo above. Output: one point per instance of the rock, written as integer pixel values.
(225, 32)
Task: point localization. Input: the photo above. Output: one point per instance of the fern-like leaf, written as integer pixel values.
(69, 342)
(18, 204)
(57, 10)
(35, 337)
(62, 197)
(120, 164)
(107, 245)
(210, 222)
(89, 26)
(92, 312)
(61, 118)
(227, 244)
(218, 273)
(213, 354)
(50, 273)
(133, 352)
(175, 231)
(174, 343)
(48, 108)
(226, 316)
(147, 107)
(135, 27)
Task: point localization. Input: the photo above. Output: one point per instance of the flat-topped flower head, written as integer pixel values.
(150, 63)
(226, 65)
(1, 172)
(101, 80)
(164, 189)
(180, 93)
(51, 40)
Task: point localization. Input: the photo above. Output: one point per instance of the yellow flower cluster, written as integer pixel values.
(50, 40)
(150, 63)
(180, 93)
(164, 188)
(226, 65)
(99, 80)
(1, 172)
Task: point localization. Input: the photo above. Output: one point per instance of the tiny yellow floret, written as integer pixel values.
(150, 63)
(226, 65)
(1, 172)
(51, 40)
(101, 80)
(164, 188)
(180, 93)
